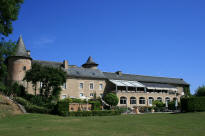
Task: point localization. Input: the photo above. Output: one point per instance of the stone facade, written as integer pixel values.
(88, 81)
(80, 88)
(17, 68)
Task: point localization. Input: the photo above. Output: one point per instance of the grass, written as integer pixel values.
(189, 124)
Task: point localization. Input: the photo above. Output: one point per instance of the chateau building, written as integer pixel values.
(86, 81)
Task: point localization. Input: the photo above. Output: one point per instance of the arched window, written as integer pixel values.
(151, 99)
(133, 100)
(123, 100)
(142, 100)
(175, 99)
(167, 99)
(159, 99)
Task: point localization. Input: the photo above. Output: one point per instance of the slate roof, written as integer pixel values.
(74, 71)
(20, 49)
(148, 79)
(95, 73)
(89, 63)
(48, 63)
(85, 72)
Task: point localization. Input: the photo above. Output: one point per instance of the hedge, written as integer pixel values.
(193, 104)
(62, 107)
(96, 105)
(95, 113)
(30, 107)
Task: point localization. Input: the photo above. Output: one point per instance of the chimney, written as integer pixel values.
(28, 52)
(65, 64)
(119, 73)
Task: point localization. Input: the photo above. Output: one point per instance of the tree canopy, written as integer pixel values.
(6, 49)
(9, 10)
(111, 99)
(50, 78)
(200, 91)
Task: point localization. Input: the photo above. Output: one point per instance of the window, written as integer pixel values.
(123, 100)
(142, 100)
(151, 99)
(91, 94)
(175, 99)
(159, 99)
(81, 94)
(63, 96)
(101, 86)
(133, 100)
(81, 85)
(24, 68)
(91, 86)
(167, 99)
(64, 86)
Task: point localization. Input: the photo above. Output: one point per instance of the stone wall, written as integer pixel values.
(73, 87)
(78, 106)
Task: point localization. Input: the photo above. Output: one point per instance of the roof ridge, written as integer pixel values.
(48, 61)
(146, 76)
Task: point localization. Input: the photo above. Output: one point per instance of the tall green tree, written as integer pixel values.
(6, 49)
(187, 91)
(200, 91)
(50, 78)
(9, 10)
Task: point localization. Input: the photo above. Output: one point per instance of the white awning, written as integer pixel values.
(161, 88)
(157, 86)
(127, 83)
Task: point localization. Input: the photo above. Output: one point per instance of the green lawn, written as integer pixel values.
(189, 124)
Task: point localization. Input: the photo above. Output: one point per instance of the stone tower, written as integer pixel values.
(90, 64)
(19, 63)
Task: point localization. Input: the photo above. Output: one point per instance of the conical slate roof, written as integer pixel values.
(90, 60)
(20, 49)
(89, 63)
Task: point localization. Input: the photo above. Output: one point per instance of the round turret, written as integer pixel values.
(19, 63)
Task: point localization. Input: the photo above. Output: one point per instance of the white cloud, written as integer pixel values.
(45, 41)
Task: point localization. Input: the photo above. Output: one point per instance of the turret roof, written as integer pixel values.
(20, 49)
(90, 62)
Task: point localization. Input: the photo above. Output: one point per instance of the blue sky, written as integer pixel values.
(144, 37)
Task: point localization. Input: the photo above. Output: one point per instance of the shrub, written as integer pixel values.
(193, 104)
(18, 90)
(21, 101)
(30, 107)
(62, 107)
(96, 105)
(111, 99)
(36, 109)
(15, 89)
(158, 106)
(75, 100)
(37, 100)
(171, 105)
